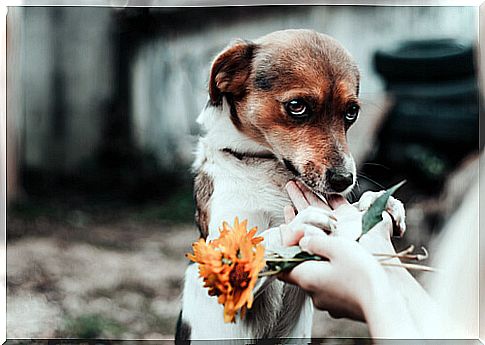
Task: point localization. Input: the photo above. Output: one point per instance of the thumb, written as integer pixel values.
(336, 200)
(309, 275)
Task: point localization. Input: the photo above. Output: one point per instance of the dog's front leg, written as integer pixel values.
(202, 316)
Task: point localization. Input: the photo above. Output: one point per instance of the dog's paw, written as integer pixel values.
(394, 207)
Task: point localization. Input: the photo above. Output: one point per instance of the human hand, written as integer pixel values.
(314, 216)
(346, 284)
(352, 283)
(376, 240)
(328, 282)
(349, 217)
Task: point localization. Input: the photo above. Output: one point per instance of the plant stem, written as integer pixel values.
(410, 266)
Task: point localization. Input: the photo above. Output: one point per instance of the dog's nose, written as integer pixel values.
(339, 180)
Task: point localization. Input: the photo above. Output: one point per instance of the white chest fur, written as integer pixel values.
(245, 190)
(252, 189)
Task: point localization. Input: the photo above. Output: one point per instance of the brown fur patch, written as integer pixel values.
(230, 70)
(203, 189)
(274, 313)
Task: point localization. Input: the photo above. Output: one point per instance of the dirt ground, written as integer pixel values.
(104, 278)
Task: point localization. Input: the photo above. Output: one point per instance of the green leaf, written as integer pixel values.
(374, 214)
(288, 258)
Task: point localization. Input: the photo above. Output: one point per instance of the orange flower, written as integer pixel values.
(230, 266)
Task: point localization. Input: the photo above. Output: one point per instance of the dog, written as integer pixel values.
(279, 109)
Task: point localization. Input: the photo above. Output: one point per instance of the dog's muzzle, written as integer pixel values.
(339, 180)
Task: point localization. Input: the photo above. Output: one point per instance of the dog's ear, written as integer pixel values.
(230, 71)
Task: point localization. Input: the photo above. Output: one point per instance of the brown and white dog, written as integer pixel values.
(279, 109)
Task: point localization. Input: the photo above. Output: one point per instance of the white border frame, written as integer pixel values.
(184, 3)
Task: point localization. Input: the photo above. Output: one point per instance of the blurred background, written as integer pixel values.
(101, 125)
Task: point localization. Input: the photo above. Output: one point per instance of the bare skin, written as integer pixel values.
(351, 283)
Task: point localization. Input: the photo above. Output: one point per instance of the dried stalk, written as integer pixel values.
(404, 255)
(267, 273)
(286, 260)
(408, 250)
(410, 266)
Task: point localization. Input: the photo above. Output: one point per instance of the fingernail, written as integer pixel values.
(333, 226)
(300, 185)
(304, 242)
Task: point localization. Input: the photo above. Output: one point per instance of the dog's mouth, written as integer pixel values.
(320, 188)
(291, 168)
(298, 176)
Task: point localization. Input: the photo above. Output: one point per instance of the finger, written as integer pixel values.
(310, 275)
(292, 237)
(325, 246)
(296, 196)
(384, 228)
(319, 217)
(289, 213)
(336, 200)
(289, 236)
(310, 230)
(387, 225)
(312, 198)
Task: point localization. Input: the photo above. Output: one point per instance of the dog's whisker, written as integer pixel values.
(357, 184)
(352, 195)
(377, 165)
(370, 180)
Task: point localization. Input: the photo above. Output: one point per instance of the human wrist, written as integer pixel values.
(376, 285)
(400, 277)
(373, 285)
(380, 310)
(386, 312)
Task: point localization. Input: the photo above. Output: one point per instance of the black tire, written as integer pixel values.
(426, 60)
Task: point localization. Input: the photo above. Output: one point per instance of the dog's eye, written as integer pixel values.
(352, 112)
(297, 108)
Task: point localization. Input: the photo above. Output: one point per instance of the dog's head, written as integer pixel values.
(295, 92)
